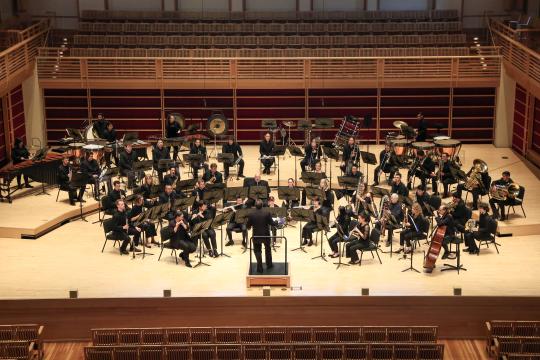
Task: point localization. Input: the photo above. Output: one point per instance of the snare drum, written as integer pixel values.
(75, 149)
(422, 145)
(442, 137)
(97, 150)
(400, 146)
(448, 146)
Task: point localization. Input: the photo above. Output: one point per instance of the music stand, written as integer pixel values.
(302, 215)
(197, 232)
(225, 158)
(183, 203)
(258, 192)
(194, 158)
(313, 178)
(213, 196)
(322, 225)
(233, 193)
(324, 123)
(405, 199)
(183, 185)
(277, 212)
(341, 242)
(145, 215)
(269, 123)
(78, 181)
(40, 154)
(369, 159)
(277, 151)
(296, 152)
(241, 218)
(315, 192)
(165, 164)
(141, 166)
(306, 126)
(219, 221)
(379, 191)
(289, 194)
(332, 154)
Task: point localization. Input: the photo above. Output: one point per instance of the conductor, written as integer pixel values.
(261, 220)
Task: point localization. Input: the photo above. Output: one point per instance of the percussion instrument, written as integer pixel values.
(448, 146)
(422, 145)
(289, 123)
(441, 137)
(90, 132)
(97, 150)
(76, 149)
(399, 124)
(400, 146)
(350, 127)
(195, 137)
(217, 124)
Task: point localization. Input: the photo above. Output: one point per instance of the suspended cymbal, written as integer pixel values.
(289, 123)
(398, 124)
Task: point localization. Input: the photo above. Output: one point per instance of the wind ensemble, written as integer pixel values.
(359, 225)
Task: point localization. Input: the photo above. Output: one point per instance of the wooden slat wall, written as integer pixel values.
(536, 126)
(16, 114)
(3, 147)
(519, 136)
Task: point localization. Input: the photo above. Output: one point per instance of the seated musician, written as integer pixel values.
(477, 191)
(398, 187)
(160, 152)
(109, 134)
(499, 213)
(199, 191)
(64, 181)
(486, 227)
(122, 230)
(415, 226)
(272, 204)
(444, 218)
(459, 212)
(146, 191)
(355, 174)
(197, 148)
(168, 196)
(172, 177)
(387, 163)
(446, 175)
(423, 199)
(255, 181)
(310, 227)
(232, 147)
(365, 200)
(172, 130)
(20, 153)
(343, 220)
(312, 155)
(100, 124)
(358, 238)
(234, 226)
(293, 203)
(200, 214)
(90, 167)
(395, 209)
(422, 127)
(327, 204)
(348, 155)
(148, 227)
(424, 170)
(265, 150)
(213, 176)
(180, 237)
(116, 193)
(127, 158)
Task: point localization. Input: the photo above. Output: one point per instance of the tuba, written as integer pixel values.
(475, 177)
(502, 192)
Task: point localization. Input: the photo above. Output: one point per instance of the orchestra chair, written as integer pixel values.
(419, 237)
(492, 237)
(518, 201)
(482, 194)
(108, 227)
(374, 238)
(165, 234)
(273, 168)
(107, 206)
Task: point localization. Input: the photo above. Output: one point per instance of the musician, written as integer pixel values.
(180, 238)
(310, 227)
(477, 191)
(358, 238)
(127, 158)
(312, 155)
(265, 149)
(172, 130)
(395, 210)
(343, 220)
(116, 193)
(261, 220)
(504, 181)
(460, 212)
(160, 152)
(168, 196)
(198, 148)
(422, 128)
(200, 214)
(293, 203)
(147, 227)
(446, 175)
(348, 155)
(90, 167)
(424, 169)
(355, 172)
(486, 227)
(366, 202)
(100, 124)
(388, 161)
(232, 147)
(328, 202)
(398, 187)
(20, 153)
(273, 228)
(146, 190)
(256, 181)
(122, 230)
(423, 199)
(109, 134)
(199, 191)
(445, 219)
(172, 177)
(415, 226)
(213, 176)
(235, 226)
(64, 181)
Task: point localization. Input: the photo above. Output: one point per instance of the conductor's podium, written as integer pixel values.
(278, 275)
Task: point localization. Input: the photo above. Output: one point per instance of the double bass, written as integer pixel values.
(434, 249)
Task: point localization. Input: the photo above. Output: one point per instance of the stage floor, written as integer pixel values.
(70, 257)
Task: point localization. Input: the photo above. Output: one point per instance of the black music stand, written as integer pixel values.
(369, 159)
(241, 218)
(289, 194)
(277, 212)
(302, 215)
(146, 215)
(379, 191)
(324, 123)
(315, 192)
(106, 174)
(185, 185)
(332, 154)
(226, 158)
(313, 178)
(258, 192)
(130, 137)
(183, 203)
(194, 158)
(78, 181)
(165, 164)
(218, 222)
(213, 196)
(348, 183)
(142, 166)
(233, 193)
(277, 151)
(405, 199)
(296, 152)
(322, 225)
(215, 186)
(197, 231)
(341, 243)
(306, 126)
(270, 124)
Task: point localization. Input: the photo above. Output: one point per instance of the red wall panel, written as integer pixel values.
(519, 136)
(536, 126)
(3, 148)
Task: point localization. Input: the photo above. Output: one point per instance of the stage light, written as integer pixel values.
(475, 38)
(457, 291)
(365, 291)
(73, 294)
(167, 293)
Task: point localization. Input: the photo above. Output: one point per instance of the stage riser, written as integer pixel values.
(457, 317)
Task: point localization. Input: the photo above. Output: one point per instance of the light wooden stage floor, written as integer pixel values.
(70, 258)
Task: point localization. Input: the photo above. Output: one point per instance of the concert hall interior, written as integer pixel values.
(294, 179)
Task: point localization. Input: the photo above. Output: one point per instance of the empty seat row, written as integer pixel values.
(516, 345)
(266, 28)
(508, 328)
(23, 333)
(17, 350)
(263, 335)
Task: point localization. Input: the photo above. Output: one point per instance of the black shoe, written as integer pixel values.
(474, 252)
(81, 200)
(504, 218)
(72, 203)
(244, 244)
(124, 252)
(186, 261)
(216, 254)
(269, 266)
(445, 256)
(241, 175)
(409, 186)
(230, 243)
(260, 270)
(135, 249)
(182, 255)
(466, 250)
(304, 243)
(310, 243)
(210, 253)
(28, 186)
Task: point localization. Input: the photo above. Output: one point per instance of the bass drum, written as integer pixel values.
(91, 133)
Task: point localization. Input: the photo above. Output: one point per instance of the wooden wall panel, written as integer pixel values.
(519, 133)
(16, 114)
(3, 147)
(536, 126)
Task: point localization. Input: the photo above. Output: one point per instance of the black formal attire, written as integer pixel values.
(236, 150)
(196, 165)
(170, 179)
(208, 235)
(171, 131)
(478, 191)
(486, 227)
(148, 227)
(357, 243)
(110, 136)
(237, 227)
(146, 192)
(423, 171)
(101, 126)
(116, 195)
(311, 156)
(344, 221)
(450, 232)
(92, 170)
(397, 211)
(18, 155)
(261, 220)
(423, 201)
(390, 165)
(422, 130)
(327, 205)
(311, 227)
(412, 232)
(399, 189)
(447, 177)
(460, 216)
(358, 175)
(160, 154)
(347, 155)
(64, 183)
(181, 238)
(501, 203)
(249, 182)
(119, 220)
(265, 148)
(292, 203)
(208, 175)
(126, 166)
